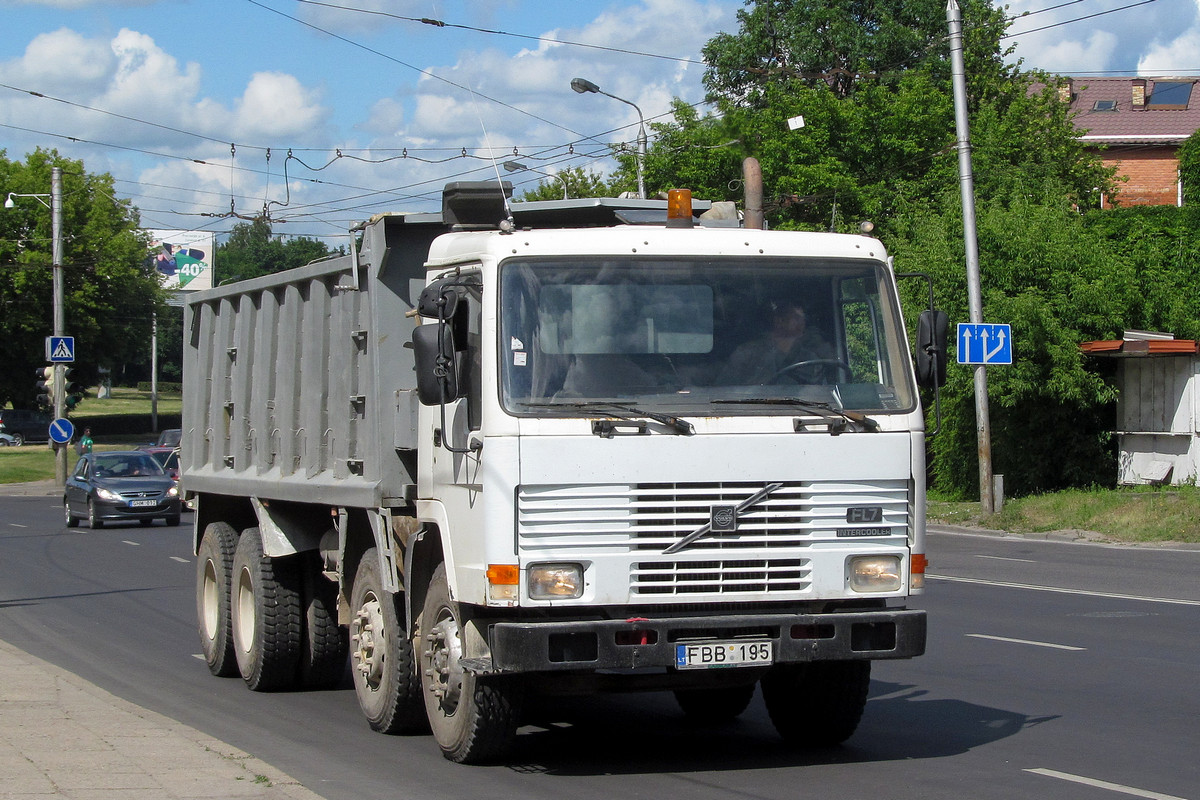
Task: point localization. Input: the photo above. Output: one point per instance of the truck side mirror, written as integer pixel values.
(931, 348)
(438, 364)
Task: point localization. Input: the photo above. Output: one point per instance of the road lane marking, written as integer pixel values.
(180, 560)
(1113, 787)
(1061, 590)
(135, 544)
(1003, 558)
(1024, 641)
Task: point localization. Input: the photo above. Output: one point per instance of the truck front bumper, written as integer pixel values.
(635, 643)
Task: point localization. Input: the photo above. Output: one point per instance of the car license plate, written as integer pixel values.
(142, 503)
(707, 655)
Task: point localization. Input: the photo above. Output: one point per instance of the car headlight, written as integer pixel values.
(105, 494)
(555, 581)
(874, 573)
(173, 491)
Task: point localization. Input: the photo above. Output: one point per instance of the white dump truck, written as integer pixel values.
(516, 449)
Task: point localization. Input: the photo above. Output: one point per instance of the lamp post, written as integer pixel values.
(55, 206)
(516, 166)
(584, 86)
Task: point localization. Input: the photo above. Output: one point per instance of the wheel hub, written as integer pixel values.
(443, 663)
(368, 643)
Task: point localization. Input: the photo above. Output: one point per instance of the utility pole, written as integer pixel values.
(56, 264)
(983, 426)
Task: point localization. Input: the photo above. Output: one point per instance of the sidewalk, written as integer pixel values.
(62, 737)
(32, 488)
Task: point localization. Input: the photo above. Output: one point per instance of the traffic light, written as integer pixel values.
(45, 386)
(72, 390)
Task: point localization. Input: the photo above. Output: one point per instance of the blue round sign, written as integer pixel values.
(61, 431)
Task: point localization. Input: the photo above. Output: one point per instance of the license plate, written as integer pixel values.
(142, 503)
(709, 655)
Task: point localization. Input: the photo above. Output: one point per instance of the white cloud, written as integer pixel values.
(1165, 58)
(276, 106)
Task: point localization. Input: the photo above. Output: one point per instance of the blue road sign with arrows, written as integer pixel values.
(981, 343)
(61, 431)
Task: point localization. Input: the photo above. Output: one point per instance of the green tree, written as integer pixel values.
(109, 291)
(578, 183)
(253, 250)
(1189, 169)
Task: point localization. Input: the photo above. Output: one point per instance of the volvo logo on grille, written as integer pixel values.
(723, 519)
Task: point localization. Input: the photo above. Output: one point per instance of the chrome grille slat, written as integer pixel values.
(647, 518)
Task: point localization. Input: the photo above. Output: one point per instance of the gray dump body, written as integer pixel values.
(300, 384)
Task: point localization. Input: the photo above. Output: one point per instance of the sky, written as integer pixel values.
(207, 112)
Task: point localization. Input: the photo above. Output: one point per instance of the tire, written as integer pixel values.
(214, 565)
(817, 704)
(474, 718)
(172, 521)
(71, 520)
(715, 705)
(324, 646)
(94, 522)
(146, 523)
(18, 440)
(381, 656)
(265, 615)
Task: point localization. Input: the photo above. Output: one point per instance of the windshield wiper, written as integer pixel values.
(624, 411)
(818, 407)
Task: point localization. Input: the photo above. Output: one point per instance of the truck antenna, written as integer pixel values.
(507, 225)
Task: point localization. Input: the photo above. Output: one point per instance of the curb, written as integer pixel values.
(33, 488)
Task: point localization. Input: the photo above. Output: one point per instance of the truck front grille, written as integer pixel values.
(649, 518)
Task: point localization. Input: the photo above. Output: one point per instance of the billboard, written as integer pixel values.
(183, 259)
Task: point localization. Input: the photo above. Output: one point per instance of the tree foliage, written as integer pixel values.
(110, 290)
(252, 250)
(872, 82)
(577, 182)
(1189, 169)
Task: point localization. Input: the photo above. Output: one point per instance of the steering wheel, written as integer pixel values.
(821, 364)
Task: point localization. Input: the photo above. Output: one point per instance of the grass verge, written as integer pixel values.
(1128, 514)
(35, 462)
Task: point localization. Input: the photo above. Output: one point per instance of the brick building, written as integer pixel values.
(1139, 124)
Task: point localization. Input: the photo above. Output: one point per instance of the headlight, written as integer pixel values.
(555, 581)
(875, 573)
(105, 494)
(173, 491)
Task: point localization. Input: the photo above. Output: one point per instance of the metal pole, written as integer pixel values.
(983, 427)
(154, 371)
(641, 159)
(56, 265)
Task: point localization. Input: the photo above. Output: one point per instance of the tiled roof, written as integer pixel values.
(1147, 125)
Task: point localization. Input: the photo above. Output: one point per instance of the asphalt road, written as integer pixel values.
(1054, 670)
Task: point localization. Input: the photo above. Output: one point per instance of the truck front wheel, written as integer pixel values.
(817, 704)
(265, 615)
(385, 676)
(214, 564)
(473, 717)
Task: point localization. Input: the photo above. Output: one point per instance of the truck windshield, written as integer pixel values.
(684, 335)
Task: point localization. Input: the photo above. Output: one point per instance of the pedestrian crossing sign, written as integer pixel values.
(60, 349)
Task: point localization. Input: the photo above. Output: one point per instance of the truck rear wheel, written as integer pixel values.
(385, 676)
(324, 647)
(718, 704)
(817, 704)
(265, 615)
(474, 718)
(214, 564)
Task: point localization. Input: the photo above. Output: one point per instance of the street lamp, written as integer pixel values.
(55, 206)
(584, 86)
(516, 166)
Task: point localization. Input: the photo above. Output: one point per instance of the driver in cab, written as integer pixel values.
(781, 355)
